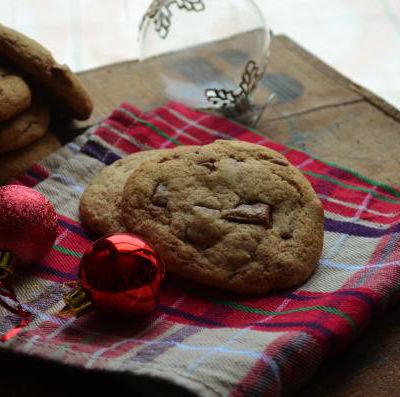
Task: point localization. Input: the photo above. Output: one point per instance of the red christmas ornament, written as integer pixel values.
(119, 274)
(28, 227)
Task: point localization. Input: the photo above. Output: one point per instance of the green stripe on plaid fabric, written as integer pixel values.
(384, 186)
(67, 251)
(150, 125)
(351, 187)
(327, 309)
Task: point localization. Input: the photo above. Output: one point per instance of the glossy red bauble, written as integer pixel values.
(121, 274)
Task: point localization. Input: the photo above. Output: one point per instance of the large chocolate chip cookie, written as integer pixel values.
(231, 214)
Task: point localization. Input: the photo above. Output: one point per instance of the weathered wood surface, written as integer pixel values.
(317, 110)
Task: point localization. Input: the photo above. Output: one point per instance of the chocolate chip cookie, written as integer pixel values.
(25, 128)
(100, 203)
(15, 94)
(38, 63)
(230, 214)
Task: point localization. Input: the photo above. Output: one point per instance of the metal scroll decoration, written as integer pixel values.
(238, 99)
(160, 11)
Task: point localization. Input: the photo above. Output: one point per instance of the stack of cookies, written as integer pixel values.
(230, 214)
(31, 82)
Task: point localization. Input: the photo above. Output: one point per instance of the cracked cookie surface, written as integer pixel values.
(100, 203)
(230, 214)
(25, 128)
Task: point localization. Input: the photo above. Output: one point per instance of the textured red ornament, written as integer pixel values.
(121, 274)
(28, 223)
(28, 229)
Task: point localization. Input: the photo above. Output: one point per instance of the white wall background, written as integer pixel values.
(360, 38)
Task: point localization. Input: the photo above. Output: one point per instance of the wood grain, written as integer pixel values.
(317, 109)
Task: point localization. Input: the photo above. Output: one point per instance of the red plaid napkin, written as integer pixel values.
(210, 342)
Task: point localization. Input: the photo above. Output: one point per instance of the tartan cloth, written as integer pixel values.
(204, 341)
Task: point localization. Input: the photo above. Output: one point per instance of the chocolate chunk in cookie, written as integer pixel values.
(160, 196)
(256, 214)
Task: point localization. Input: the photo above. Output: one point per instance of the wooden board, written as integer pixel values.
(317, 110)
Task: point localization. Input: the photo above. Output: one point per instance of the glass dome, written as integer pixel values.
(207, 54)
